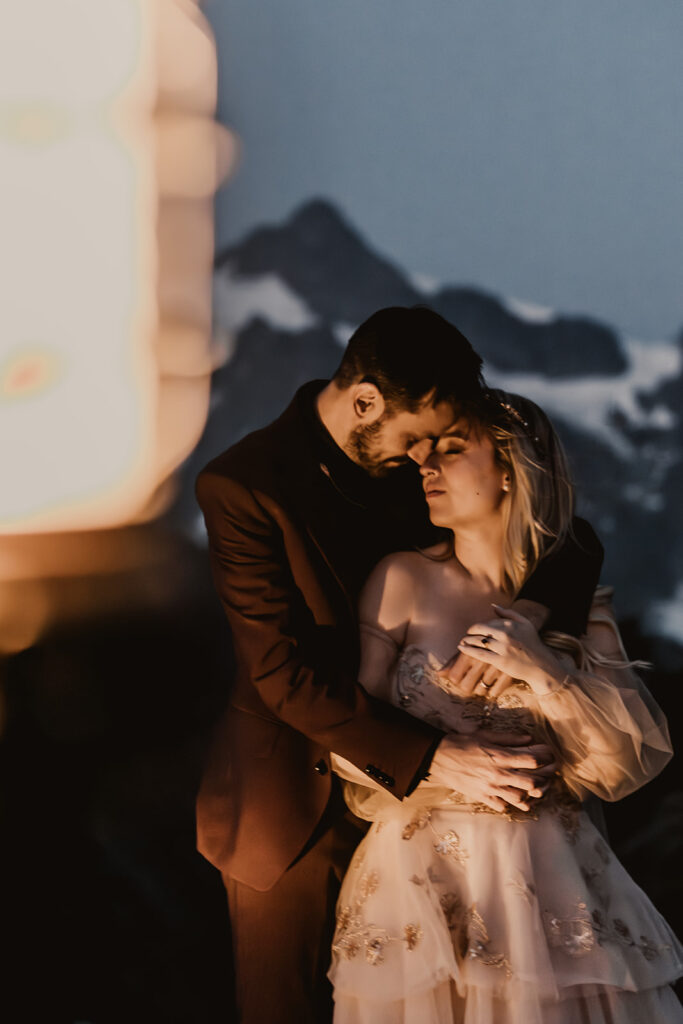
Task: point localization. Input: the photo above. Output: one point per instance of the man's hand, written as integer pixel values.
(493, 768)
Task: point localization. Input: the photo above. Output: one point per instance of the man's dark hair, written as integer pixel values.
(408, 352)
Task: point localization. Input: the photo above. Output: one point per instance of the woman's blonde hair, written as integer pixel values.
(538, 514)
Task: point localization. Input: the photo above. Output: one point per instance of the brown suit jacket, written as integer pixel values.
(277, 542)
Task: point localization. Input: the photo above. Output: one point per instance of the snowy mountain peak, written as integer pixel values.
(290, 295)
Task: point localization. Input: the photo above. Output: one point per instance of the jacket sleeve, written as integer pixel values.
(565, 580)
(291, 659)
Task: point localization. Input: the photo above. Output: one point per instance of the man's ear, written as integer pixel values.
(368, 403)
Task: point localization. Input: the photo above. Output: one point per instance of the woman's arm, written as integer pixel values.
(612, 736)
(384, 611)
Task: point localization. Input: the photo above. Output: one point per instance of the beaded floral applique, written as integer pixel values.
(469, 933)
(593, 874)
(619, 931)
(412, 933)
(420, 821)
(354, 935)
(574, 935)
(479, 942)
(447, 844)
(577, 935)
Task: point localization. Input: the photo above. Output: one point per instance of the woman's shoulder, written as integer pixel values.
(397, 569)
(402, 582)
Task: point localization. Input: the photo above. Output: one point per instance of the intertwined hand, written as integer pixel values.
(471, 676)
(494, 768)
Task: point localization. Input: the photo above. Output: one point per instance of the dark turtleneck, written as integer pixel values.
(380, 515)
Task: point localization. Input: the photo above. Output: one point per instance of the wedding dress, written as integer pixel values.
(454, 914)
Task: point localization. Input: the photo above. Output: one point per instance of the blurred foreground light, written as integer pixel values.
(109, 158)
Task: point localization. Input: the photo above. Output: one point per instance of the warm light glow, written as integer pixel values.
(110, 157)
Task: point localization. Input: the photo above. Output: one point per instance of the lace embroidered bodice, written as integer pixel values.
(419, 689)
(607, 732)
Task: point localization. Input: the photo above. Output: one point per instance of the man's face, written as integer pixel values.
(395, 438)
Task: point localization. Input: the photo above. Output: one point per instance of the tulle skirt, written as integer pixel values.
(443, 1005)
(447, 916)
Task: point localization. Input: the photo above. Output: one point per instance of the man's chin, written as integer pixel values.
(385, 467)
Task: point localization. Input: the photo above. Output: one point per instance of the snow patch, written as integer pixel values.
(237, 300)
(590, 402)
(665, 618)
(652, 362)
(342, 332)
(529, 311)
(425, 284)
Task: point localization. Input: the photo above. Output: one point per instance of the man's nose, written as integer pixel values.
(420, 451)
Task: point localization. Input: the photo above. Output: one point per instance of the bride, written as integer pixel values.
(457, 912)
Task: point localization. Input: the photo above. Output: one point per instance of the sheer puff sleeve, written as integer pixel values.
(611, 736)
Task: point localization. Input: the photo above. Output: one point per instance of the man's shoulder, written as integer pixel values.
(261, 457)
(240, 477)
(251, 452)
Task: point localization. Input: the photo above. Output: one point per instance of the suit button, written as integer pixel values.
(320, 767)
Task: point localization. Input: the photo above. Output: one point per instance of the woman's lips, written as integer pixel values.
(433, 492)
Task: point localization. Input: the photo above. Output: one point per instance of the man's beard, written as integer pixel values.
(364, 447)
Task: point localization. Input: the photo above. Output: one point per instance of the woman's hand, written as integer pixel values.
(512, 645)
(468, 676)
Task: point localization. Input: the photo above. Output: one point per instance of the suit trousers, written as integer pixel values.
(282, 938)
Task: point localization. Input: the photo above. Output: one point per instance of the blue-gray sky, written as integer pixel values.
(533, 148)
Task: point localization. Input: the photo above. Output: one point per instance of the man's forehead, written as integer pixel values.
(427, 421)
(442, 412)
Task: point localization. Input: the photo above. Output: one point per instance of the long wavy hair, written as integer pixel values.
(540, 506)
(540, 509)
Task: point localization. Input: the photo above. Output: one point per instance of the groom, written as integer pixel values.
(297, 514)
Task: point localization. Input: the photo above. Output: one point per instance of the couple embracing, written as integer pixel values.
(430, 691)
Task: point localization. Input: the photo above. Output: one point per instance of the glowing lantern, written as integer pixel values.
(110, 158)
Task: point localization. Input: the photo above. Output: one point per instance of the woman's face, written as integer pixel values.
(463, 483)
